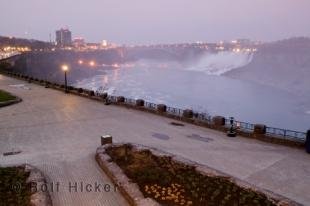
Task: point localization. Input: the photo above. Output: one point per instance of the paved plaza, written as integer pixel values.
(59, 133)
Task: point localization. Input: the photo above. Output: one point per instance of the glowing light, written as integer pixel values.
(115, 65)
(80, 62)
(92, 63)
(65, 67)
(106, 79)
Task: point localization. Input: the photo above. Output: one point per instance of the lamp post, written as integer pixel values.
(65, 68)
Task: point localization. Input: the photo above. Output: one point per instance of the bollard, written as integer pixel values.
(308, 142)
(106, 139)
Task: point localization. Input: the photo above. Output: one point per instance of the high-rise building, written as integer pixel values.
(63, 37)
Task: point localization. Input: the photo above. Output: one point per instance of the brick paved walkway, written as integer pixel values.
(59, 134)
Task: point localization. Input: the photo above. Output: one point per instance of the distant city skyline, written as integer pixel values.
(160, 21)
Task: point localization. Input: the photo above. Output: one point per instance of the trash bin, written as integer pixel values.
(106, 139)
(308, 142)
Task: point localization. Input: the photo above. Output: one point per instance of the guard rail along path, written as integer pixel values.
(258, 131)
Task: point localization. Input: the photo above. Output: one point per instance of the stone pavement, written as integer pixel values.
(59, 134)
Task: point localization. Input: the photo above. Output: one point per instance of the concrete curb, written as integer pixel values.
(134, 197)
(129, 190)
(10, 102)
(39, 197)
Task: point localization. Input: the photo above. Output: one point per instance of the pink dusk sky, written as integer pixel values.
(157, 21)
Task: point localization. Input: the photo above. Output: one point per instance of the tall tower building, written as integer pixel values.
(63, 37)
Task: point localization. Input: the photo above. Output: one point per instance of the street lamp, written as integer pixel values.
(65, 68)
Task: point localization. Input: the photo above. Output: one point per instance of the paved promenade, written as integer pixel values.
(59, 134)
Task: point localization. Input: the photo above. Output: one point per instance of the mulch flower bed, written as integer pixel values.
(13, 187)
(175, 183)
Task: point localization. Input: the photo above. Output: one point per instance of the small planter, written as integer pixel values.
(104, 96)
(161, 108)
(259, 129)
(188, 113)
(91, 93)
(120, 99)
(80, 90)
(218, 121)
(139, 102)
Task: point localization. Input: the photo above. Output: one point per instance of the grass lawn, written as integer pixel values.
(5, 96)
(13, 187)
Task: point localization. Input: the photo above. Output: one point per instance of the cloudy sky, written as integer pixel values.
(156, 21)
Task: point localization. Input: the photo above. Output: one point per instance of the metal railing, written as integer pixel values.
(174, 111)
(150, 105)
(243, 126)
(130, 101)
(286, 134)
(204, 117)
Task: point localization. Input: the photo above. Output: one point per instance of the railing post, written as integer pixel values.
(140, 102)
(308, 142)
(161, 108)
(218, 121)
(187, 113)
(259, 129)
(120, 99)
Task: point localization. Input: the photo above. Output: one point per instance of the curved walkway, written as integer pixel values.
(59, 134)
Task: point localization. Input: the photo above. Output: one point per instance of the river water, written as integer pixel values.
(216, 95)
